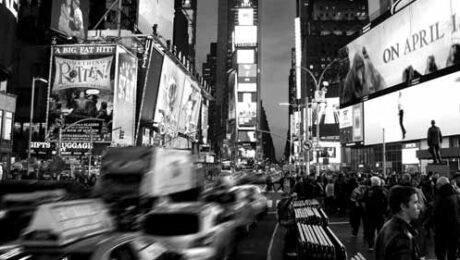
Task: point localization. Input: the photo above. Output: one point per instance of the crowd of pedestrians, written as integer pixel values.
(397, 214)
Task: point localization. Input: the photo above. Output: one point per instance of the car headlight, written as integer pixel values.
(2, 214)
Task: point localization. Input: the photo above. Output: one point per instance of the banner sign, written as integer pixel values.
(407, 45)
(70, 17)
(169, 98)
(72, 73)
(189, 108)
(125, 97)
(81, 93)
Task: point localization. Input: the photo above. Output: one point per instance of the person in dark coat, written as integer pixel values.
(375, 207)
(434, 139)
(397, 238)
(446, 220)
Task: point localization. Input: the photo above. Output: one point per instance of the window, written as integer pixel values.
(172, 224)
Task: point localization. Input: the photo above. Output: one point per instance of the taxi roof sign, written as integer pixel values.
(61, 223)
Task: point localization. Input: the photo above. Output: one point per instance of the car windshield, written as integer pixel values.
(172, 224)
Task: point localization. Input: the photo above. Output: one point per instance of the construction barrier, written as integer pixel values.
(315, 240)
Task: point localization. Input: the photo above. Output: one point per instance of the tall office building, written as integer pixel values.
(325, 27)
(209, 75)
(237, 82)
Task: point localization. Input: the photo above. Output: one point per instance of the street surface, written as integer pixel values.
(266, 240)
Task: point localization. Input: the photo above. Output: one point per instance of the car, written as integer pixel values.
(198, 230)
(255, 197)
(236, 206)
(82, 229)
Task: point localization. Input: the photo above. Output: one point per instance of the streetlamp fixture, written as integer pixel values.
(32, 99)
(319, 94)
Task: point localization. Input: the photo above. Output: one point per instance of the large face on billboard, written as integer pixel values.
(408, 45)
(125, 97)
(407, 113)
(169, 97)
(70, 17)
(82, 88)
(190, 108)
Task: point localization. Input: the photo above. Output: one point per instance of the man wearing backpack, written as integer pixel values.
(375, 206)
(286, 218)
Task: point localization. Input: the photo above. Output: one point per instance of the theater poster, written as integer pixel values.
(81, 88)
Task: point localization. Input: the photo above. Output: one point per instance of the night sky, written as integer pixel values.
(277, 40)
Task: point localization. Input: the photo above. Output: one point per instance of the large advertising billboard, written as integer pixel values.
(245, 35)
(156, 12)
(351, 124)
(247, 77)
(189, 108)
(245, 56)
(169, 98)
(70, 17)
(406, 114)
(246, 109)
(81, 87)
(245, 16)
(246, 136)
(408, 45)
(125, 97)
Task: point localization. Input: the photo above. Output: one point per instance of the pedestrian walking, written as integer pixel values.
(396, 240)
(330, 196)
(357, 207)
(285, 217)
(434, 139)
(446, 220)
(375, 205)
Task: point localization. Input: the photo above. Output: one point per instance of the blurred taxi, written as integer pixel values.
(253, 194)
(198, 230)
(82, 229)
(236, 205)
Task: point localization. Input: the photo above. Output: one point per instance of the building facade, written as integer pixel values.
(325, 27)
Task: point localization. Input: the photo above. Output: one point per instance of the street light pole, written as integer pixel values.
(32, 101)
(317, 83)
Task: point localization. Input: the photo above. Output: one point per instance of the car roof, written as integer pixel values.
(185, 207)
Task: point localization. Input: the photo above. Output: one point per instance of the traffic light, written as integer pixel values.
(122, 134)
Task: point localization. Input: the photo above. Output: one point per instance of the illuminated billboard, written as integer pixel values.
(245, 16)
(189, 107)
(169, 98)
(246, 136)
(246, 109)
(70, 17)
(407, 45)
(351, 124)
(247, 73)
(244, 56)
(125, 97)
(245, 35)
(247, 87)
(204, 122)
(406, 114)
(82, 87)
(160, 13)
